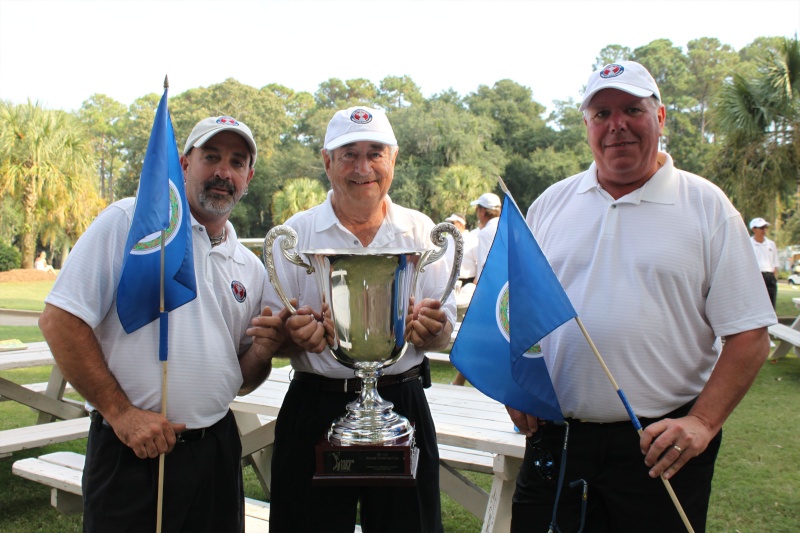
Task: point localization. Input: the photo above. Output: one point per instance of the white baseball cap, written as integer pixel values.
(758, 223)
(455, 218)
(628, 76)
(208, 127)
(359, 124)
(488, 200)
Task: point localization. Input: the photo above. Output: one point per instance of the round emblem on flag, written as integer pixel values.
(152, 243)
(238, 290)
(227, 121)
(501, 314)
(361, 116)
(612, 71)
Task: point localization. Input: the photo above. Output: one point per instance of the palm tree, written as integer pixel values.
(759, 117)
(297, 195)
(453, 188)
(46, 165)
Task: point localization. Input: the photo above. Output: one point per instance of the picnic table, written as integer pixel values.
(466, 422)
(48, 399)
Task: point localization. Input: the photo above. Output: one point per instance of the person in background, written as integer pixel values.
(221, 344)
(656, 262)
(41, 263)
(359, 155)
(767, 257)
(468, 261)
(487, 209)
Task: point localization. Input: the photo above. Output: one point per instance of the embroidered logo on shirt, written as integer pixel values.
(238, 290)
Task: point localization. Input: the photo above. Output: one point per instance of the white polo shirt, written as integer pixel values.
(205, 335)
(320, 228)
(766, 254)
(656, 277)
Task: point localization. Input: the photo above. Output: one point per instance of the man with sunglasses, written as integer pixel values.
(658, 265)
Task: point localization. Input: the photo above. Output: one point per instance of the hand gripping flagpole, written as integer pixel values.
(635, 421)
(163, 349)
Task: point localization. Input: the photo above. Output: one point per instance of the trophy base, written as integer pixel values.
(366, 465)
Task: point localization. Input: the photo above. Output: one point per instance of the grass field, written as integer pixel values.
(756, 485)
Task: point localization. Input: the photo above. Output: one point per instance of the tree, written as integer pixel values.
(710, 62)
(399, 91)
(46, 164)
(759, 117)
(102, 116)
(454, 187)
(297, 195)
(613, 53)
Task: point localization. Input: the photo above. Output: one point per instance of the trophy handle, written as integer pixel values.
(438, 238)
(287, 244)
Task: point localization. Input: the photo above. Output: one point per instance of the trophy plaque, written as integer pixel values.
(366, 294)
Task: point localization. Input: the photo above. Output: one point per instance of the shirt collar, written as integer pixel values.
(661, 188)
(396, 221)
(229, 247)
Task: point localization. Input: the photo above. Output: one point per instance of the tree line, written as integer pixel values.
(732, 117)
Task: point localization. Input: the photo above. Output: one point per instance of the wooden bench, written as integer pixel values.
(466, 493)
(14, 440)
(62, 471)
(788, 337)
(41, 388)
(438, 356)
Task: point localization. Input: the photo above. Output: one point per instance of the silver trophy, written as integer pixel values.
(366, 294)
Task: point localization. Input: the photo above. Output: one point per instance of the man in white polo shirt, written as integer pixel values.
(657, 263)
(359, 154)
(487, 209)
(220, 345)
(766, 255)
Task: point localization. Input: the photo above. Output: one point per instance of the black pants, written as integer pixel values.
(622, 497)
(203, 488)
(772, 286)
(305, 416)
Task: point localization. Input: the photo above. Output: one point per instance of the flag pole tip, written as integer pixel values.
(166, 81)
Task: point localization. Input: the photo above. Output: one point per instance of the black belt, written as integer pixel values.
(324, 384)
(185, 436)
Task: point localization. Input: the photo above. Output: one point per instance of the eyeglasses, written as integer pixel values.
(761, 227)
(543, 462)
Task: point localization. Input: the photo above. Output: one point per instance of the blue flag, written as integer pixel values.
(161, 204)
(517, 302)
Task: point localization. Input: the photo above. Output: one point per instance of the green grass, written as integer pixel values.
(24, 295)
(756, 485)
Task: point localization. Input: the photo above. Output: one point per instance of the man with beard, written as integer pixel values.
(221, 344)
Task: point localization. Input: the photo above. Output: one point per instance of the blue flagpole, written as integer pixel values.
(635, 420)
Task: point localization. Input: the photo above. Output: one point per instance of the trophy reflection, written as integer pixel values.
(367, 296)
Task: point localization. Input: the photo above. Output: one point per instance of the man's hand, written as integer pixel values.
(269, 331)
(526, 424)
(427, 322)
(147, 433)
(669, 444)
(309, 330)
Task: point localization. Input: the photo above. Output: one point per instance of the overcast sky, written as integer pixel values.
(60, 52)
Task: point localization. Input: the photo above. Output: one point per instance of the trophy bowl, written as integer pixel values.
(366, 298)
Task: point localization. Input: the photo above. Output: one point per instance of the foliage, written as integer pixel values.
(732, 116)
(46, 165)
(297, 195)
(9, 257)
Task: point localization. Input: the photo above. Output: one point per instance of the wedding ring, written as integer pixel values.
(678, 448)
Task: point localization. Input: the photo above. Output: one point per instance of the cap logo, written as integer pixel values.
(361, 116)
(227, 121)
(612, 71)
(238, 290)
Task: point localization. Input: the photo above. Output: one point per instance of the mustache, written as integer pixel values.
(220, 183)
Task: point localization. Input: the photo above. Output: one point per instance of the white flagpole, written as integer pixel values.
(638, 426)
(164, 374)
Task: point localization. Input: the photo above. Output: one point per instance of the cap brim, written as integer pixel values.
(200, 141)
(630, 89)
(358, 136)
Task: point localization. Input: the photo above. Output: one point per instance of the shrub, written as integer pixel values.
(10, 258)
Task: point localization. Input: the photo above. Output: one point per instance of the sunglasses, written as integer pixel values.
(543, 462)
